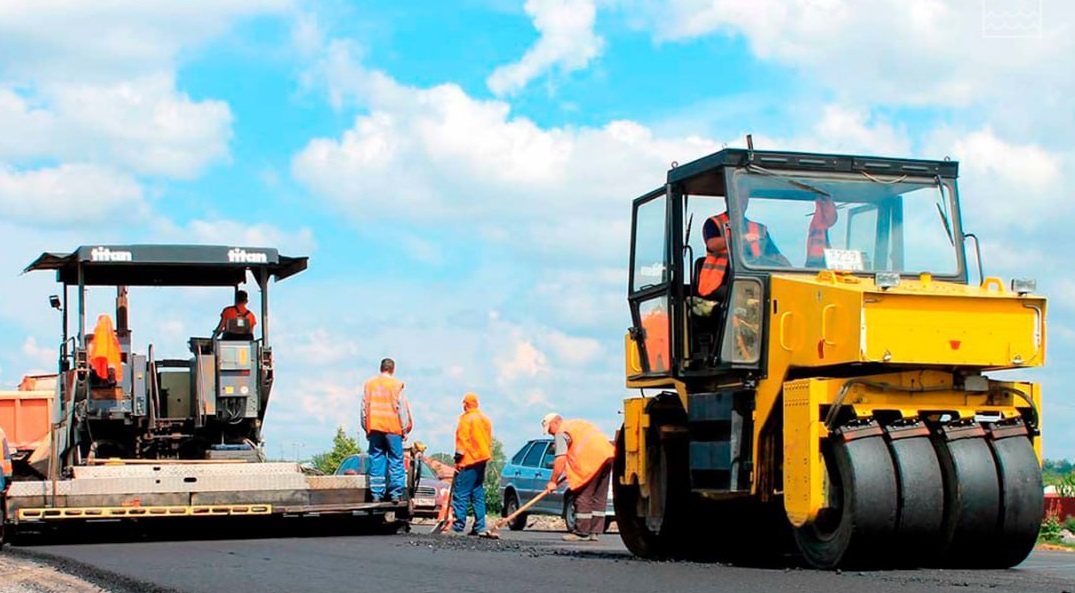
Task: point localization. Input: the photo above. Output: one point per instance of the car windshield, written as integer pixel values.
(426, 471)
(847, 221)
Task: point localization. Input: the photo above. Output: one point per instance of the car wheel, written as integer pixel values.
(510, 506)
(570, 521)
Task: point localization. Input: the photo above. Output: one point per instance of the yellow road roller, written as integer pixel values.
(816, 370)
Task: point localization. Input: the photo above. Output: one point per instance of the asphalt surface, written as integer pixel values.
(519, 562)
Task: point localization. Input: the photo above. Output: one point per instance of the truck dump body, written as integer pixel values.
(26, 416)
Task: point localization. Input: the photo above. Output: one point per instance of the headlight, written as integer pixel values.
(885, 280)
(1024, 285)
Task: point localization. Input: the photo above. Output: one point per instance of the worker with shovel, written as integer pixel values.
(473, 450)
(585, 454)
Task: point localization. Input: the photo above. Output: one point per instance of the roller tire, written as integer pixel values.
(857, 533)
(1022, 501)
(972, 501)
(639, 539)
(921, 500)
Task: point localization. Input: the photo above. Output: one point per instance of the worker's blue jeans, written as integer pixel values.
(469, 489)
(386, 460)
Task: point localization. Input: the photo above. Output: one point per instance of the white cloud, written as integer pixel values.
(573, 350)
(218, 231)
(472, 163)
(113, 39)
(91, 89)
(37, 355)
(895, 52)
(70, 193)
(567, 42)
(520, 360)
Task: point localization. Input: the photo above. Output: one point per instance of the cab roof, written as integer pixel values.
(166, 265)
(705, 175)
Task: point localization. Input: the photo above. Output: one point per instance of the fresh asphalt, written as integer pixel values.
(204, 560)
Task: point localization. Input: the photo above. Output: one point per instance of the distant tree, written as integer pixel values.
(1055, 471)
(343, 445)
(492, 478)
(444, 458)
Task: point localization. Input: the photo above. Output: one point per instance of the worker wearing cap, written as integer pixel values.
(5, 462)
(585, 454)
(473, 450)
(234, 312)
(386, 419)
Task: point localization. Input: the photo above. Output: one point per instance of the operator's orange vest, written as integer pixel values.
(818, 237)
(474, 437)
(714, 267)
(657, 344)
(382, 398)
(105, 353)
(587, 451)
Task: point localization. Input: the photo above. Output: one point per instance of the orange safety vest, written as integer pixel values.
(474, 437)
(105, 353)
(657, 344)
(383, 397)
(587, 451)
(714, 266)
(817, 239)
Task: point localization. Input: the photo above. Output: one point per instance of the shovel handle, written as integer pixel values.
(521, 510)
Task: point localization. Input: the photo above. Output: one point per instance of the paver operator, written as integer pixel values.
(386, 419)
(585, 454)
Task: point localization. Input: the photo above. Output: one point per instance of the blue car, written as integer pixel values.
(526, 475)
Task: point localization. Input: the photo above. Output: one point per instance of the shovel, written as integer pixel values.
(449, 516)
(502, 522)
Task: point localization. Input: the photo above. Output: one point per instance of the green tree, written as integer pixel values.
(492, 478)
(444, 458)
(343, 445)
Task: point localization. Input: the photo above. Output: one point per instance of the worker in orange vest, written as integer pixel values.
(757, 244)
(817, 238)
(236, 311)
(386, 419)
(585, 454)
(473, 450)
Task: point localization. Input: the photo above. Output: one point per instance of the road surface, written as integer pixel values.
(520, 562)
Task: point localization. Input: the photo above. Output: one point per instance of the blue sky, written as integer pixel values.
(460, 173)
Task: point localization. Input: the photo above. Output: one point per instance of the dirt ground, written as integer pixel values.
(21, 575)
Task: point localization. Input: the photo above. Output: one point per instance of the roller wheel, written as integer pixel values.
(921, 494)
(639, 534)
(1022, 496)
(861, 521)
(972, 495)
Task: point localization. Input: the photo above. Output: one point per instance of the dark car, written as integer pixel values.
(526, 475)
(429, 498)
